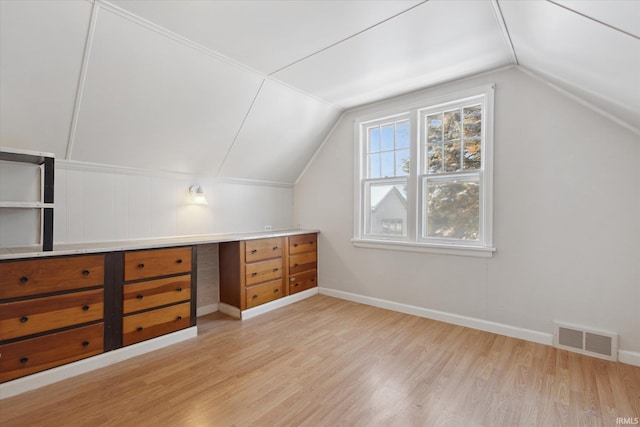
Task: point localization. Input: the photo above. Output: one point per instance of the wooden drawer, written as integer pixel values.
(154, 293)
(156, 262)
(258, 272)
(45, 275)
(302, 281)
(257, 250)
(266, 292)
(21, 318)
(303, 262)
(303, 243)
(37, 354)
(151, 324)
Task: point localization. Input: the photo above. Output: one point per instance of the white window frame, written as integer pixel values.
(414, 240)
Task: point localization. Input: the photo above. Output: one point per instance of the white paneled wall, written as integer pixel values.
(106, 204)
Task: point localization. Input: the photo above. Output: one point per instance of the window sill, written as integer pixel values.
(472, 251)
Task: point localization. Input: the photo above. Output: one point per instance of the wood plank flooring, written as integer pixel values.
(328, 362)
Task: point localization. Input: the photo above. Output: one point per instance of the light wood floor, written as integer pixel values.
(328, 362)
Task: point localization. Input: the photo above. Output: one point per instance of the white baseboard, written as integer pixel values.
(207, 309)
(280, 302)
(629, 357)
(456, 319)
(229, 310)
(232, 311)
(50, 376)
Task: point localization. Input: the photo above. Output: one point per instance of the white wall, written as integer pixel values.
(95, 204)
(566, 219)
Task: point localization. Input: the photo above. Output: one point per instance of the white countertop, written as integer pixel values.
(127, 245)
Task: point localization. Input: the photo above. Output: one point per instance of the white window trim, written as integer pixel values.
(413, 242)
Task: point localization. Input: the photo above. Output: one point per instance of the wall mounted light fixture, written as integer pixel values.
(197, 194)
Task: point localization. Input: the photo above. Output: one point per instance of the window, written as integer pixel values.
(424, 176)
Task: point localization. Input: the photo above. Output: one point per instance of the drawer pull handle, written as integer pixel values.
(139, 296)
(139, 328)
(295, 245)
(254, 297)
(253, 251)
(296, 285)
(85, 272)
(141, 265)
(24, 360)
(276, 269)
(275, 248)
(85, 343)
(255, 273)
(24, 319)
(296, 264)
(275, 291)
(179, 289)
(179, 261)
(313, 280)
(24, 279)
(85, 308)
(179, 318)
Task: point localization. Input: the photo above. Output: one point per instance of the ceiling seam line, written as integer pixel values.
(345, 39)
(593, 19)
(82, 78)
(235, 138)
(505, 30)
(152, 26)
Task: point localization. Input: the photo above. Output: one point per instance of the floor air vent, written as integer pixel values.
(586, 341)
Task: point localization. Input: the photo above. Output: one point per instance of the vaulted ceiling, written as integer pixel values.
(249, 89)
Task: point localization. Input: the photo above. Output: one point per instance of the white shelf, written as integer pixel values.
(46, 163)
(26, 205)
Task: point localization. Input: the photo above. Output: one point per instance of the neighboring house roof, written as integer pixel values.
(382, 195)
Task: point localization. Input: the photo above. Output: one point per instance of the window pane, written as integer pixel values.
(374, 165)
(472, 155)
(434, 158)
(402, 134)
(453, 208)
(387, 137)
(452, 156)
(374, 140)
(434, 128)
(387, 163)
(387, 210)
(472, 121)
(451, 125)
(402, 162)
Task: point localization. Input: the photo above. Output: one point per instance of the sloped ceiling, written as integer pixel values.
(249, 89)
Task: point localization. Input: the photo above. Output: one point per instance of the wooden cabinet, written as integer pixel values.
(158, 295)
(255, 272)
(52, 312)
(303, 262)
(49, 275)
(60, 309)
(251, 272)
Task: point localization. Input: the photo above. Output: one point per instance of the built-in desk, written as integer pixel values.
(82, 306)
